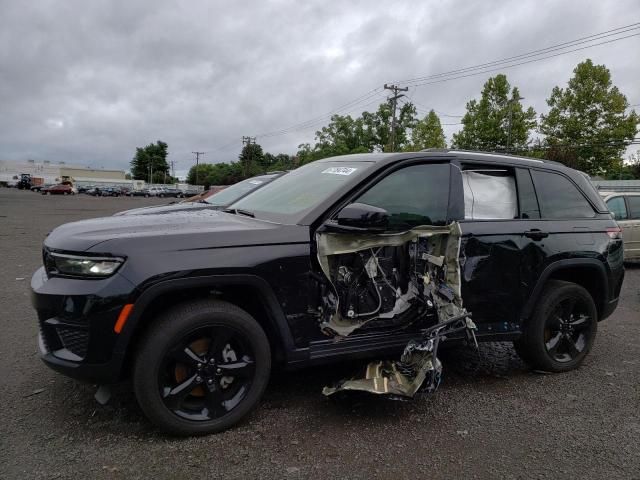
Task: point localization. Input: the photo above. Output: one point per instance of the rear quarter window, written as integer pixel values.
(634, 206)
(559, 197)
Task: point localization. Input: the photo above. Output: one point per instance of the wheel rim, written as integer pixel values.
(568, 330)
(207, 373)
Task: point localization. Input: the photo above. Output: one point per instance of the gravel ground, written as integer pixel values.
(492, 418)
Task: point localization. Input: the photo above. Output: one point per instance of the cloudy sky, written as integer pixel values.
(87, 82)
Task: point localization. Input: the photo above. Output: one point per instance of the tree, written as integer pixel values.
(366, 133)
(587, 124)
(427, 133)
(152, 158)
(252, 158)
(496, 122)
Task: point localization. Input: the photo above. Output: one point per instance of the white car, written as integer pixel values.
(157, 192)
(625, 207)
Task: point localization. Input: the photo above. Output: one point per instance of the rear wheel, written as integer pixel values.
(562, 329)
(202, 367)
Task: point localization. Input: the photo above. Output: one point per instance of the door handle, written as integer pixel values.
(536, 234)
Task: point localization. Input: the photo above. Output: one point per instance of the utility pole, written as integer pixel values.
(197, 154)
(173, 170)
(248, 141)
(394, 102)
(511, 102)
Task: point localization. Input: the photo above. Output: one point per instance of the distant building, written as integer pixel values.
(51, 172)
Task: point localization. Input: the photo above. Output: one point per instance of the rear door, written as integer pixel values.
(500, 246)
(618, 207)
(632, 247)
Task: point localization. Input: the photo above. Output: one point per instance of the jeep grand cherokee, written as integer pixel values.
(378, 251)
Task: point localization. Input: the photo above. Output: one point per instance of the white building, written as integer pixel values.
(51, 172)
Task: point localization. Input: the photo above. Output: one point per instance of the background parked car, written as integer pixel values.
(38, 188)
(58, 190)
(94, 191)
(111, 192)
(625, 207)
(222, 198)
(187, 192)
(144, 192)
(157, 192)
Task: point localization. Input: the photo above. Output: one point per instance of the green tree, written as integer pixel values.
(252, 160)
(496, 122)
(366, 133)
(152, 158)
(587, 126)
(427, 133)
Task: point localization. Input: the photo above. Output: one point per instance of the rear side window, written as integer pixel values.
(489, 194)
(634, 207)
(415, 195)
(618, 208)
(559, 198)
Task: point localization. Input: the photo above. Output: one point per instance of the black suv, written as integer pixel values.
(347, 257)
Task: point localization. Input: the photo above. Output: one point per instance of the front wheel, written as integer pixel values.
(562, 329)
(201, 368)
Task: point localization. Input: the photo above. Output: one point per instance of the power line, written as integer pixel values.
(533, 53)
(462, 73)
(447, 76)
(503, 67)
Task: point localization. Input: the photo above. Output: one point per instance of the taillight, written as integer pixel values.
(614, 233)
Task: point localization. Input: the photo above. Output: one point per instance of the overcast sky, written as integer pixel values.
(88, 81)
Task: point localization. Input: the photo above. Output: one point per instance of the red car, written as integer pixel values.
(58, 190)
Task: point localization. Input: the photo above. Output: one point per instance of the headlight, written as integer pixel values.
(81, 266)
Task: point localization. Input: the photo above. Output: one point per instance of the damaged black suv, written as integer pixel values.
(370, 255)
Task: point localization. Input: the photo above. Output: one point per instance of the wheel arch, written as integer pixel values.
(588, 273)
(248, 292)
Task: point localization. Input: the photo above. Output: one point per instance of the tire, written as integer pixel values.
(159, 369)
(562, 329)
(146, 195)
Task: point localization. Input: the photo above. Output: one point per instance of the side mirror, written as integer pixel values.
(360, 216)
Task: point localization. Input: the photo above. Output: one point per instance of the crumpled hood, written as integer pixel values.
(183, 230)
(169, 208)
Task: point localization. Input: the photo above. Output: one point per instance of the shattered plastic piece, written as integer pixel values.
(418, 369)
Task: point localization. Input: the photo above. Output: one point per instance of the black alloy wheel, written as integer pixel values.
(201, 367)
(568, 329)
(562, 329)
(207, 373)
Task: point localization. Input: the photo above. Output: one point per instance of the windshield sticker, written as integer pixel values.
(340, 170)
(255, 182)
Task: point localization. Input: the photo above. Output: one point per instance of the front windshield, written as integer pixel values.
(290, 198)
(238, 190)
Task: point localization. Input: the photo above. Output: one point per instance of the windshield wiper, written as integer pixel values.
(239, 211)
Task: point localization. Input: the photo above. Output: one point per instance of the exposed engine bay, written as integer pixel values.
(394, 280)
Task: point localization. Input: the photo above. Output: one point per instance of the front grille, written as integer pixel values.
(74, 340)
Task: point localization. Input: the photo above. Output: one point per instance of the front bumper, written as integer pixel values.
(76, 320)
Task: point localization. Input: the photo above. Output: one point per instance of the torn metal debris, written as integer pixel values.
(418, 369)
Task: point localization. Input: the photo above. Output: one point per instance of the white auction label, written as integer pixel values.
(340, 170)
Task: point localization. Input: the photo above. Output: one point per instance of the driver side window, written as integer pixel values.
(413, 196)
